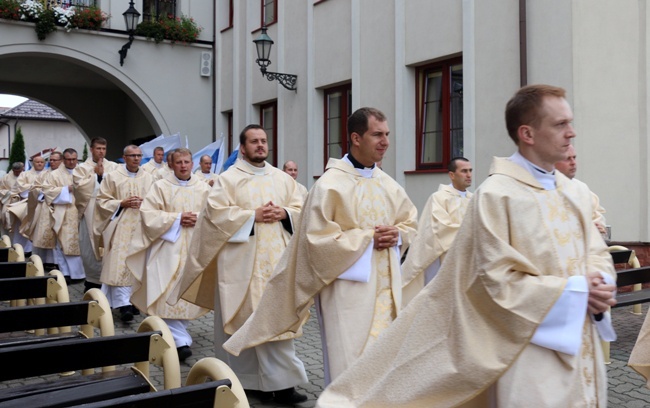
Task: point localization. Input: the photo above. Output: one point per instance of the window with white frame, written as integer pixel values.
(154, 10)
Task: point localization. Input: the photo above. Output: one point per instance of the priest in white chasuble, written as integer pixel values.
(355, 224)
(437, 228)
(160, 246)
(58, 191)
(40, 220)
(248, 220)
(17, 211)
(205, 170)
(156, 162)
(87, 178)
(117, 214)
(516, 314)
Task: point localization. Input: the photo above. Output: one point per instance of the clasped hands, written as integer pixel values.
(269, 213)
(188, 219)
(601, 295)
(131, 202)
(386, 236)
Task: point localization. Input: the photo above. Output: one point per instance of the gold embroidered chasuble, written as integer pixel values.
(151, 166)
(336, 228)
(27, 180)
(86, 189)
(156, 264)
(65, 216)
(437, 228)
(202, 176)
(6, 196)
(37, 224)
(240, 270)
(473, 323)
(117, 230)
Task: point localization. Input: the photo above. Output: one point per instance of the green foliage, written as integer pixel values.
(84, 155)
(10, 9)
(17, 149)
(180, 29)
(45, 24)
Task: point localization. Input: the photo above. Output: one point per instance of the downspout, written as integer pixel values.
(523, 51)
(214, 71)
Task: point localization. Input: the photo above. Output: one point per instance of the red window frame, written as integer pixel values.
(448, 104)
(342, 116)
(263, 4)
(271, 130)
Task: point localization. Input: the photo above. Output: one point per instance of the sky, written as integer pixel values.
(9, 101)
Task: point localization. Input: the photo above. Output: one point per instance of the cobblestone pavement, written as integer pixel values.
(626, 388)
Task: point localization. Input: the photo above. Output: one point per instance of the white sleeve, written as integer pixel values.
(561, 329)
(174, 232)
(64, 197)
(360, 271)
(244, 232)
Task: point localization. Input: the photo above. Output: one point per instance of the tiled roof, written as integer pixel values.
(32, 110)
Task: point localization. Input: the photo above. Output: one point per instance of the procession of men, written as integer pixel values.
(458, 308)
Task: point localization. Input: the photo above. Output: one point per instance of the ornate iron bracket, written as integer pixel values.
(286, 80)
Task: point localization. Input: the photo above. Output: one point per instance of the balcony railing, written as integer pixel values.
(78, 4)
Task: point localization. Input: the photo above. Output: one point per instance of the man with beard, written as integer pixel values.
(238, 239)
(87, 178)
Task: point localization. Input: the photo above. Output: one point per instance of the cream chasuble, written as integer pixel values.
(86, 188)
(336, 229)
(240, 269)
(17, 210)
(206, 177)
(155, 260)
(65, 216)
(473, 323)
(39, 220)
(116, 225)
(437, 228)
(151, 166)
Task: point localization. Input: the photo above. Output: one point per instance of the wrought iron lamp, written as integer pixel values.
(131, 18)
(263, 44)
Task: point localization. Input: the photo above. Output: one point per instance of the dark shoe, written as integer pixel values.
(69, 281)
(263, 396)
(289, 396)
(183, 352)
(125, 313)
(91, 285)
(135, 311)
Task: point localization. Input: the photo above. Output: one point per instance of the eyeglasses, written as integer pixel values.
(133, 155)
(73, 159)
(55, 160)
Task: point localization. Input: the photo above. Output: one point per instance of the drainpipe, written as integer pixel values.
(523, 52)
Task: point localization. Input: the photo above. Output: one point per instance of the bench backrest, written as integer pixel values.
(54, 315)
(75, 354)
(190, 396)
(17, 269)
(28, 288)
